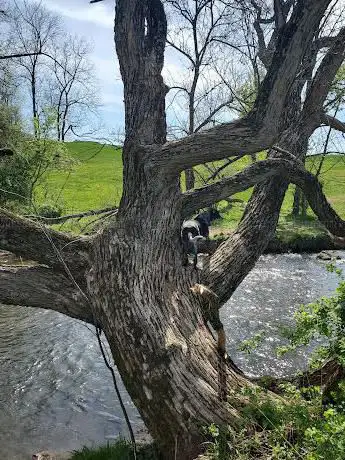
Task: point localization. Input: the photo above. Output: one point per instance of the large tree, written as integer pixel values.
(129, 280)
(72, 89)
(33, 30)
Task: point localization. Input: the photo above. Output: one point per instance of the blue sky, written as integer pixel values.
(96, 23)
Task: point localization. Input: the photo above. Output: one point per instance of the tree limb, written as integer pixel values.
(213, 113)
(294, 172)
(231, 138)
(41, 287)
(35, 242)
(312, 110)
(333, 122)
(209, 194)
(80, 215)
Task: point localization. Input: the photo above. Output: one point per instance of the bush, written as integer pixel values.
(49, 211)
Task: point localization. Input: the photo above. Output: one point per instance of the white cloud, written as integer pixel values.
(98, 13)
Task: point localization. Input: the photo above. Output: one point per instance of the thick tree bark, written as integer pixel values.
(36, 242)
(35, 286)
(129, 279)
(296, 202)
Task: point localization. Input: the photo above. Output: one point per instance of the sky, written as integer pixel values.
(96, 23)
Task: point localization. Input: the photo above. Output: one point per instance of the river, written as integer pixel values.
(56, 392)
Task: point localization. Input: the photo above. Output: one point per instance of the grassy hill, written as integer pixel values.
(96, 182)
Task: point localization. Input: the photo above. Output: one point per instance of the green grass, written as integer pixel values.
(120, 450)
(96, 182)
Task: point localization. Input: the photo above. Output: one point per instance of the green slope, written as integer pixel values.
(96, 182)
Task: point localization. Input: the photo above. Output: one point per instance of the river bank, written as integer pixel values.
(285, 242)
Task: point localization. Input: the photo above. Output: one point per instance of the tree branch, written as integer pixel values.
(333, 122)
(231, 138)
(80, 215)
(180, 50)
(312, 110)
(41, 287)
(279, 14)
(213, 113)
(35, 242)
(210, 194)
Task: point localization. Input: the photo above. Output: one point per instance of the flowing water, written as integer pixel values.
(56, 393)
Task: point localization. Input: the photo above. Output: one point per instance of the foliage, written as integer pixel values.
(295, 426)
(336, 96)
(33, 159)
(13, 177)
(49, 210)
(247, 346)
(323, 319)
(246, 97)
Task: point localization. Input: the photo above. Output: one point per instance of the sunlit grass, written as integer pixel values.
(96, 182)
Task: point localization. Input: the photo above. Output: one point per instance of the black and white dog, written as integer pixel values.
(195, 230)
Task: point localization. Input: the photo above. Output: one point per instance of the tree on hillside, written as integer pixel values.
(72, 91)
(34, 30)
(129, 280)
(56, 68)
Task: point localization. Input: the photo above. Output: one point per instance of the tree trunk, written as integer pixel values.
(304, 207)
(156, 332)
(190, 179)
(296, 202)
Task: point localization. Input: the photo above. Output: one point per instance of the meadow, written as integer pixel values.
(95, 182)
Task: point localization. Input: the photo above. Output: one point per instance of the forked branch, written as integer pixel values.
(261, 127)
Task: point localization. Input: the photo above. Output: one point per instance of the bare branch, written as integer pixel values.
(324, 42)
(198, 148)
(35, 242)
(333, 122)
(80, 215)
(210, 194)
(180, 50)
(18, 55)
(41, 287)
(213, 113)
(323, 79)
(279, 14)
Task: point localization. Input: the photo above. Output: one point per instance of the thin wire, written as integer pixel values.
(130, 429)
